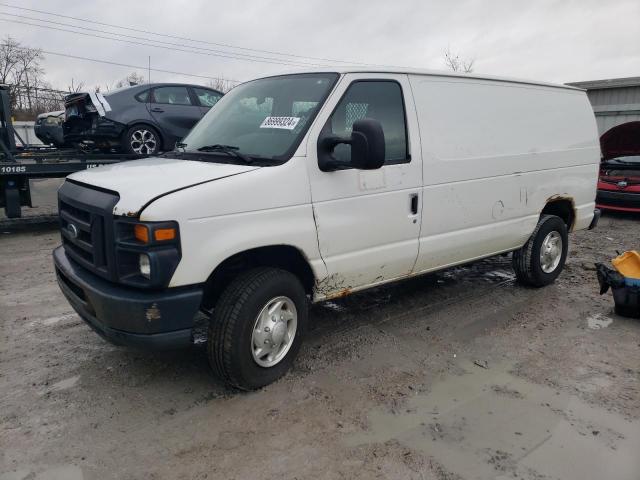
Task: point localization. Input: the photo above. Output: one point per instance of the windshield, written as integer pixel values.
(264, 118)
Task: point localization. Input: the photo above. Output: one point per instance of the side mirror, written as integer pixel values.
(367, 144)
(367, 147)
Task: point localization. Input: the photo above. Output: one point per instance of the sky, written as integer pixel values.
(547, 40)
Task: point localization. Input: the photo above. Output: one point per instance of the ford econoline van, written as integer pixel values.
(310, 186)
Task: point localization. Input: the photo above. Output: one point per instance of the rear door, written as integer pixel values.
(206, 98)
(174, 110)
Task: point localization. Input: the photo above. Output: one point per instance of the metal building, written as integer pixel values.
(616, 104)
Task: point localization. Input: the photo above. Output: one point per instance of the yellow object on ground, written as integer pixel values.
(628, 264)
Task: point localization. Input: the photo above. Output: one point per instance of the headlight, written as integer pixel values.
(145, 265)
(147, 253)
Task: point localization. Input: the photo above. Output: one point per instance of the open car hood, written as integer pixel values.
(621, 140)
(139, 182)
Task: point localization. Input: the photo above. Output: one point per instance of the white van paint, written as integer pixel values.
(487, 155)
(494, 153)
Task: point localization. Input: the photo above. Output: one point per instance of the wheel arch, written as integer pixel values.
(286, 257)
(563, 207)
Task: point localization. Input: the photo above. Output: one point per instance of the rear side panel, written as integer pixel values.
(494, 153)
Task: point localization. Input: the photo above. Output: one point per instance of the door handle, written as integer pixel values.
(157, 110)
(414, 203)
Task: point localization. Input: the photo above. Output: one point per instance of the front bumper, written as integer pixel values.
(128, 316)
(620, 201)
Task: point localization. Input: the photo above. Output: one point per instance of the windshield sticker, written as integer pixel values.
(287, 123)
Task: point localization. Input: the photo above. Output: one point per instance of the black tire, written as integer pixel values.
(231, 327)
(141, 139)
(526, 261)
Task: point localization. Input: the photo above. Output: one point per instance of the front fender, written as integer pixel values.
(261, 207)
(209, 242)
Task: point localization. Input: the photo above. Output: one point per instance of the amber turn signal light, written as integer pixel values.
(164, 234)
(141, 233)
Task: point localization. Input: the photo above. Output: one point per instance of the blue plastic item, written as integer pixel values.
(632, 282)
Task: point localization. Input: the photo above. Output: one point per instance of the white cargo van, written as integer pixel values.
(305, 187)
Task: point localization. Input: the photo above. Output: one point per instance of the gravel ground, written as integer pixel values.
(457, 375)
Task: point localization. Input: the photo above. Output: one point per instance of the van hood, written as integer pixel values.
(139, 182)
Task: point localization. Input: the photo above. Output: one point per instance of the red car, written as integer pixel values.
(619, 184)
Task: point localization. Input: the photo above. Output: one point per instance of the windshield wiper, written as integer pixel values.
(229, 150)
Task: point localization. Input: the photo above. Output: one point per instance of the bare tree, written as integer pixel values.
(75, 87)
(28, 71)
(9, 58)
(221, 84)
(134, 78)
(454, 62)
(20, 66)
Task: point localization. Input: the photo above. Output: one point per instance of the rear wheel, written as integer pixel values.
(141, 140)
(541, 259)
(256, 328)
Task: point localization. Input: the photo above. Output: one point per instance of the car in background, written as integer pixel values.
(48, 128)
(141, 119)
(619, 184)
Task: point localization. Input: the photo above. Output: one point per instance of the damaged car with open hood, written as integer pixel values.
(140, 119)
(311, 186)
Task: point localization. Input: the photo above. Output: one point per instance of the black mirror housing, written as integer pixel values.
(367, 144)
(367, 147)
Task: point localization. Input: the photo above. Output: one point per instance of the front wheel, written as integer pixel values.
(256, 328)
(541, 259)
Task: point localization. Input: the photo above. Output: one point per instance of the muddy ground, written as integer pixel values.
(457, 375)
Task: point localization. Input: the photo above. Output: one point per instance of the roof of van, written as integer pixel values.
(410, 71)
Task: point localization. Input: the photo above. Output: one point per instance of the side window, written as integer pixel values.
(381, 100)
(172, 95)
(207, 98)
(143, 96)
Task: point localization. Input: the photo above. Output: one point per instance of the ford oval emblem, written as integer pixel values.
(73, 230)
(622, 184)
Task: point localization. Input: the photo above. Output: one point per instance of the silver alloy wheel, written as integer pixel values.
(274, 331)
(143, 142)
(550, 252)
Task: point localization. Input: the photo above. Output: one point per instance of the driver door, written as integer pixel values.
(368, 221)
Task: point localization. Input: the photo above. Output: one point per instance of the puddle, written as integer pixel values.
(330, 305)
(487, 422)
(598, 321)
(65, 384)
